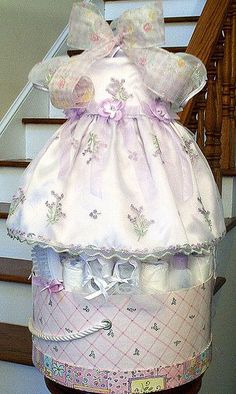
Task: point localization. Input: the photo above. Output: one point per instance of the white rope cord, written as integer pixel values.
(104, 325)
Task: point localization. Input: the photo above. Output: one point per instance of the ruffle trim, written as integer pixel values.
(110, 253)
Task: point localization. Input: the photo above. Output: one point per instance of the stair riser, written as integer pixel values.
(10, 248)
(229, 196)
(178, 34)
(171, 8)
(16, 303)
(9, 182)
(36, 137)
(55, 112)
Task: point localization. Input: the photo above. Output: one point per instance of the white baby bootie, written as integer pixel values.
(126, 276)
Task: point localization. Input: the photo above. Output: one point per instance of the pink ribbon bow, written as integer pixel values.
(54, 286)
(139, 32)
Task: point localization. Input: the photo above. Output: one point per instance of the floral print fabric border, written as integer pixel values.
(122, 382)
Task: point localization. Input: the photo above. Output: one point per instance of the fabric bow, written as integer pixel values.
(138, 32)
(53, 286)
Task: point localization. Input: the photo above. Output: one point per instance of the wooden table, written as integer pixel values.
(189, 388)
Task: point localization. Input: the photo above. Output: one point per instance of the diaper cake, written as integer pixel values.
(122, 212)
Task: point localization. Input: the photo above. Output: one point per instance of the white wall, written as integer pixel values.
(28, 28)
(21, 379)
(221, 376)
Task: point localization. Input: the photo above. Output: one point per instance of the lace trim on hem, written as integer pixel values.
(109, 253)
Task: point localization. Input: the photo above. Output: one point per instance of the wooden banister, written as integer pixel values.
(214, 42)
(205, 37)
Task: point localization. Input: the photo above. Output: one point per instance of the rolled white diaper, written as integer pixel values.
(73, 275)
(201, 267)
(154, 277)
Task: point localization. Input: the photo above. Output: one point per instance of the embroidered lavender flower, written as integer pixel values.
(140, 222)
(74, 113)
(94, 147)
(133, 156)
(112, 109)
(55, 208)
(17, 199)
(159, 110)
(205, 213)
(188, 147)
(117, 90)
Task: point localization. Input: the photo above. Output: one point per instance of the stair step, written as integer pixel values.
(171, 8)
(74, 52)
(53, 121)
(15, 344)
(177, 19)
(15, 270)
(230, 172)
(220, 281)
(17, 163)
(230, 223)
(4, 210)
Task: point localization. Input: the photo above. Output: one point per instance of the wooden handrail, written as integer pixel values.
(205, 38)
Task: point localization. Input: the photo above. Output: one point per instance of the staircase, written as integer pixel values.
(36, 120)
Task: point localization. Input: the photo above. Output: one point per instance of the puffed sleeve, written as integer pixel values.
(67, 80)
(42, 73)
(175, 78)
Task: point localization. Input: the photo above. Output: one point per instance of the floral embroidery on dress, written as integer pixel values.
(117, 90)
(187, 147)
(113, 108)
(205, 213)
(75, 143)
(133, 156)
(55, 209)
(156, 144)
(140, 223)
(17, 199)
(94, 145)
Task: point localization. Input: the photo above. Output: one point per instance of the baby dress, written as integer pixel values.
(123, 212)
